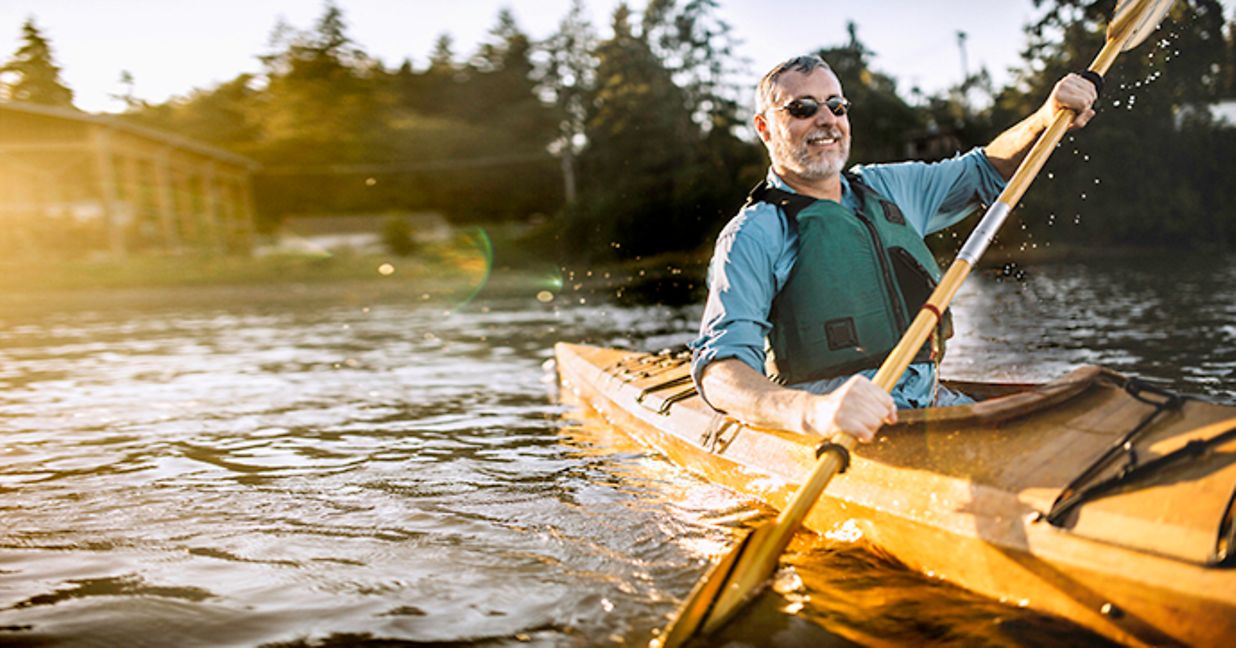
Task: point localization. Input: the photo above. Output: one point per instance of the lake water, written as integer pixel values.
(334, 466)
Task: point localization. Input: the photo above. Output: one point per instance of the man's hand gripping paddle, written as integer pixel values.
(740, 575)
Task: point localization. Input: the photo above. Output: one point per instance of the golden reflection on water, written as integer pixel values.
(832, 589)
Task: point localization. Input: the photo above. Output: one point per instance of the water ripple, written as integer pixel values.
(232, 471)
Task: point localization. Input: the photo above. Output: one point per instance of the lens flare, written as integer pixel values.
(476, 261)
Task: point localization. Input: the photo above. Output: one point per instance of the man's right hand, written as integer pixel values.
(858, 408)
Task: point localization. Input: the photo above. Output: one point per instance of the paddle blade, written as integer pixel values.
(1134, 20)
(729, 583)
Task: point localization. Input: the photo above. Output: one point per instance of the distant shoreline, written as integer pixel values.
(434, 276)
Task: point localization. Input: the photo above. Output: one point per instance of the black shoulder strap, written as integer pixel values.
(790, 203)
(892, 213)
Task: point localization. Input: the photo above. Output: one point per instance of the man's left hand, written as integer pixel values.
(1072, 93)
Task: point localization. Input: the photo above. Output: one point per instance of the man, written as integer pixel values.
(828, 267)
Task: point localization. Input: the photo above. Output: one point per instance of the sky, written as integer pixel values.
(174, 46)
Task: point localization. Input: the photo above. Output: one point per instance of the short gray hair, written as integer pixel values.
(805, 64)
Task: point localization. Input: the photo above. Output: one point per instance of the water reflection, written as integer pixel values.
(253, 467)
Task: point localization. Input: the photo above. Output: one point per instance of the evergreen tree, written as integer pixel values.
(34, 75)
(319, 105)
(640, 137)
(443, 55)
(698, 49)
(500, 85)
(435, 92)
(1150, 169)
(565, 78)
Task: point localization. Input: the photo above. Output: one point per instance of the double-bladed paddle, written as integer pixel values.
(741, 574)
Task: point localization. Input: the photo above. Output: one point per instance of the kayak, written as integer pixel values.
(1095, 497)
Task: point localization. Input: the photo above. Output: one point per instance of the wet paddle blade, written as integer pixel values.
(1134, 20)
(743, 573)
(699, 602)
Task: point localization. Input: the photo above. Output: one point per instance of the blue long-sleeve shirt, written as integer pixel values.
(757, 250)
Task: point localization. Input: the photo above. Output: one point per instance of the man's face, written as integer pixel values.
(811, 148)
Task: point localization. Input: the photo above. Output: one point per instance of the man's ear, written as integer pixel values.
(761, 126)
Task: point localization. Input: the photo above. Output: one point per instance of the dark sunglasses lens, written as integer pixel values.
(803, 108)
(837, 106)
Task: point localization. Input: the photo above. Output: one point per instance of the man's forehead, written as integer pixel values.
(819, 83)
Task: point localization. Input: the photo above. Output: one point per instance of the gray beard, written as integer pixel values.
(800, 161)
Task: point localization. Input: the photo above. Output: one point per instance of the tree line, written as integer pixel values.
(636, 143)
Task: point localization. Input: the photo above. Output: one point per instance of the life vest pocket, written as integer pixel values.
(916, 284)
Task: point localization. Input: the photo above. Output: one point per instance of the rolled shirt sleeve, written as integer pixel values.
(936, 195)
(749, 266)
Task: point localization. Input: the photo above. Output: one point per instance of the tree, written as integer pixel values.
(36, 77)
(224, 115)
(128, 92)
(443, 55)
(698, 49)
(319, 103)
(565, 78)
(1149, 169)
(640, 137)
(1230, 89)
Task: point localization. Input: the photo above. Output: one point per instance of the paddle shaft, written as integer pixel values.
(976, 244)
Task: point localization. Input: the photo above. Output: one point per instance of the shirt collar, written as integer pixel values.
(777, 182)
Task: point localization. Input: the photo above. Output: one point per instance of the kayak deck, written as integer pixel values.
(966, 493)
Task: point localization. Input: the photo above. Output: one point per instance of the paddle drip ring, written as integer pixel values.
(842, 453)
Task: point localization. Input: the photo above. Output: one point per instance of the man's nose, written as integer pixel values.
(825, 117)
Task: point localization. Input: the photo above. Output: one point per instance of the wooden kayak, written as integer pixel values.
(1094, 497)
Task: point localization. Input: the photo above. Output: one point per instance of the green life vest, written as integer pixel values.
(859, 280)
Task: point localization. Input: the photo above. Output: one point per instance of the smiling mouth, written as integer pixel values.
(822, 140)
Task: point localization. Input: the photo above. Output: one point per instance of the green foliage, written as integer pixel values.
(224, 115)
(1151, 168)
(631, 145)
(397, 235)
(34, 73)
(318, 100)
(654, 177)
(566, 76)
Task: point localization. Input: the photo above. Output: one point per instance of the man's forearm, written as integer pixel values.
(1009, 148)
(858, 407)
(748, 396)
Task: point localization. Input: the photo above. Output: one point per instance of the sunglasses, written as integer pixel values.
(804, 107)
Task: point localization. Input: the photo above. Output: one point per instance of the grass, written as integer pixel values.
(462, 260)
(171, 271)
